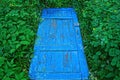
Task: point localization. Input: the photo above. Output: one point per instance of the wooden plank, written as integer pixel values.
(58, 76)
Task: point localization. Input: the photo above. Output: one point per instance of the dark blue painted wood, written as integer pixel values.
(58, 50)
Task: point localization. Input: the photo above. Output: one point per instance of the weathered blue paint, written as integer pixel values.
(58, 49)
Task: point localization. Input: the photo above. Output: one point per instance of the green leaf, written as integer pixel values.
(98, 53)
(2, 59)
(25, 42)
(12, 50)
(109, 75)
(1, 73)
(6, 78)
(109, 67)
(20, 76)
(114, 60)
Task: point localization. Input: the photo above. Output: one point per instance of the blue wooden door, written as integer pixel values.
(58, 51)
